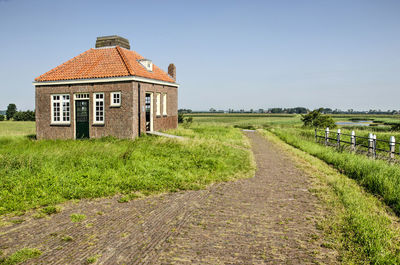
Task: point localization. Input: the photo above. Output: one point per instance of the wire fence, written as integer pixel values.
(371, 146)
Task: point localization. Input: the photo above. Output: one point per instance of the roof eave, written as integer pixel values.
(105, 80)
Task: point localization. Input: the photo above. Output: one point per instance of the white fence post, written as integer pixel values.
(338, 137)
(374, 146)
(392, 145)
(326, 135)
(370, 142)
(353, 140)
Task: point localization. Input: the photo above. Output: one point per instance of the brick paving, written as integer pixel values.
(267, 219)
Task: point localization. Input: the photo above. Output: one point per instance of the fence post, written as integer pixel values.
(392, 145)
(370, 143)
(353, 140)
(326, 135)
(338, 137)
(374, 145)
(316, 138)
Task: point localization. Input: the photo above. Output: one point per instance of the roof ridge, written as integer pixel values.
(125, 60)
(70, 60)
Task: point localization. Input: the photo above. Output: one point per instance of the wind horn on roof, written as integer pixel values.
(107, 41)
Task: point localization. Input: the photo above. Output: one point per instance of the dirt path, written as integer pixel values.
(268, 219)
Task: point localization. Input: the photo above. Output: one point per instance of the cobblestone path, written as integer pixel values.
(267, 219)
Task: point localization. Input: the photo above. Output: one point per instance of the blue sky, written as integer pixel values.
(228, 54)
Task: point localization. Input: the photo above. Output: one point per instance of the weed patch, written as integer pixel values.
(49, 210)
(76, 217)
(20, 256)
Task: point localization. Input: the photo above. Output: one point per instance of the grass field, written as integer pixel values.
(20, 128)
(357, 190)
(40, 173)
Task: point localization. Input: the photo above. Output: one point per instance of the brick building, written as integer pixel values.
(106, 91)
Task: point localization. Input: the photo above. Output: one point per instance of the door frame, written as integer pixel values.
(151, 110)
(77, 99)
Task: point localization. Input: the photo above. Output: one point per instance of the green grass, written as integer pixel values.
(359, 226)
(49, 210)
(92, 259)
(243, 120)
(17, 128)
(67, 238)
(44, 173)
(20, 256)
(76, 217)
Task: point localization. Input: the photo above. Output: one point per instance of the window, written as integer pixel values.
(164, 104)
(98, 99)
(146, 63)
(80, 96)
(115, 99)
(158, 104)
(60, 109)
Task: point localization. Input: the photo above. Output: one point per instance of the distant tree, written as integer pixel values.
(184, 111)
(327, 110)
(2, 117)
(260, 110)
(316, 119)
(212, 110)
(24, 116)
(276, 110)
(251, 110)
(11, 109)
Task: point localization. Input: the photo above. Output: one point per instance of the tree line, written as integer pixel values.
(13, 114)
(296, 110)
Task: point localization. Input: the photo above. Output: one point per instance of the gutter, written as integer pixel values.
(105, 80)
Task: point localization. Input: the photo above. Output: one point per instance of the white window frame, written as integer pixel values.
(95, 101)
(113, 100)
(158, 103)
(64, 101)
(165, 104)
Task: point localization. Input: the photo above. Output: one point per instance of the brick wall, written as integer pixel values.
(160, 123)
(121, 122)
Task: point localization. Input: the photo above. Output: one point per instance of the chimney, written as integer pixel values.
(172, 71)
(107, 41)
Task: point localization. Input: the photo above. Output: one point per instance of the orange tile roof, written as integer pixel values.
(103, 63)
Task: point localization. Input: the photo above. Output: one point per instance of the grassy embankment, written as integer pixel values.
(40, 173)
(358, 224)
(379, 177)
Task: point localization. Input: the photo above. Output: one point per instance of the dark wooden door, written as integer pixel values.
(82, 119)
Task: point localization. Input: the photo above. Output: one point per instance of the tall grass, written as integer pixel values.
(379, 177)
(39, 173)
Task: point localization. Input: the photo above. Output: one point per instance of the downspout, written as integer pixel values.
(139, 112)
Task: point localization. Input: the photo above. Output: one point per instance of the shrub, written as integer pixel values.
(316, 119)
(2, 117)
(24, 116)
(180, 117)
